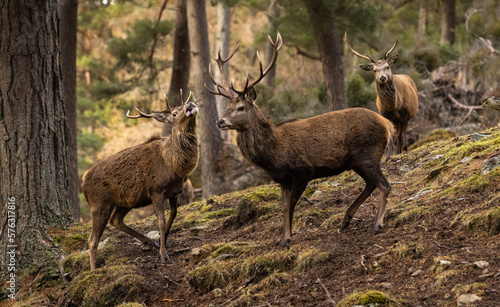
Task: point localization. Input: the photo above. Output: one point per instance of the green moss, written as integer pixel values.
(221, 213)
(488, 221)
(106, 286)
(475, 288)
(226, 249)
(476, 183)
(443, 277)
(484, 146)
(130, 305)
(219, 275)
(310, 258)
(436, 135)
(368, 297)
(274, 280)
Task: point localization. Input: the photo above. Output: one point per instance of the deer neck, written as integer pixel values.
(258, 142)
(182, 145)
(387, 94)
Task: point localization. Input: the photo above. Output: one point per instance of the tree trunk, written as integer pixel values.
(68, 10)
(422, 20)
(448, 22)
(330, 50)
(33, 132)
(181, 62)
(211, 153)
(272, 13)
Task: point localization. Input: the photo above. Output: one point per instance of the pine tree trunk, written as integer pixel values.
(422, 19)
(272, 13)
(211, 153)
(68, 10)
(33, 131)
(181, 62)
(330, 50)
(448, 22)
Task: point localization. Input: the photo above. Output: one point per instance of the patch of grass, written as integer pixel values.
(274, 280)
(443, 277)
(436, 135)
(221, 213)
(310, 258)
(475, 288)
(487, 221)
(370, 297)
(220, 275)
(408, 215)
(73, 239)
(483, 146)
(106, 286)
(333, 220)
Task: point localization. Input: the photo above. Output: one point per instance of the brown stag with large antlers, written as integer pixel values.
(297, 151)
(397, 95)
(152, 172)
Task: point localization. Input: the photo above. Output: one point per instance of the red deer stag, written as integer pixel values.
(297, 151)
(152, 172)
(397, 96)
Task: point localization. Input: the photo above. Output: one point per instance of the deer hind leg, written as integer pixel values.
(159, 203)
(385, 190)
(289, 197)
(116, 220)
(100, 218)
(369, 188)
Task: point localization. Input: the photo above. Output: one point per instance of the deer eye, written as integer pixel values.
(174, 114)
(241, 108)
(386, 66)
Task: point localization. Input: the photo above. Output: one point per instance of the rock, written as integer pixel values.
(405, 169)
(102, 244)
(217, 292)
(444, 263)
(195, 230)
(481, 264)
(195, 252)
(489, 165)
(335, 184)
(419, 194)
(466, 299)
(386, 285)
(153, 235)
(317, 195)
(478, 136)
(416, 273)
(464, 160)
(222, 257)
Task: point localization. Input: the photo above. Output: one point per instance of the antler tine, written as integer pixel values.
(140, 114)
(392, 48)
(166, 100)
(262, 73)
(182, 97)
(225, 84)
(355, 52)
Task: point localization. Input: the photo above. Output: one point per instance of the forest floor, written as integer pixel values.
(440, 244)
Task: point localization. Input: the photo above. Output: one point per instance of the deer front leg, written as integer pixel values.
(159, 206)
(289, 198)
(173, 214)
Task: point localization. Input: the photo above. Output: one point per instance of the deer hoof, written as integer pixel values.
(284, 242)
(376, 229)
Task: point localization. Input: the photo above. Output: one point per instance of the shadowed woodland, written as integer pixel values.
(81, 81)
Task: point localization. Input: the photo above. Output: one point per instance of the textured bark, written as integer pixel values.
(448, 22)
(33, 129)
(222, 46)
(422, 19)
(181, 62)
(211, 155)
(272, 13)
(68, 10)
(330, 50)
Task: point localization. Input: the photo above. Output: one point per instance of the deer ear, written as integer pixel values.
(251, 95)
(393, 59)
(367, 67)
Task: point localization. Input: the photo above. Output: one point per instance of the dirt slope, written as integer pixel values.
(442, 218)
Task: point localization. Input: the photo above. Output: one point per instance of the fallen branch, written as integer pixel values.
(463, 105)
(173, 281)
(327, 292)
(172, 300)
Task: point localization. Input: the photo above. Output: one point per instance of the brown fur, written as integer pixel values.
(152, 172)
(296, 152)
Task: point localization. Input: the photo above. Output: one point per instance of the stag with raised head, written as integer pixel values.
(297, 151)
(152, 172)
(397, 95)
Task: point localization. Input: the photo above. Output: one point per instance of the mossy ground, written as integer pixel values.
(442, 207)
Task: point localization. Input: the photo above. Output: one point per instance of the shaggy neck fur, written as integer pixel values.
(182, 145)
(386, 92)
(257, 142)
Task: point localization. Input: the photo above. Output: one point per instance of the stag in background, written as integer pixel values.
(397, 95)
(152, 172)
(297, 151)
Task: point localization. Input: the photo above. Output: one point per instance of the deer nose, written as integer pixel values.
(219, 123)
(383, 78)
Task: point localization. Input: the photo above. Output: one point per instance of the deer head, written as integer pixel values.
(169, 115)
(241, 108)
(382, 68)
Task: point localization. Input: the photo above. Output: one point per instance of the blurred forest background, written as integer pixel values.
(125, 59)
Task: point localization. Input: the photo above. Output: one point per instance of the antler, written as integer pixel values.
(166, 100)
(182, 97)
(361, 55)
(392, 48)
(276, 47)
(225, 84)
(140, 114)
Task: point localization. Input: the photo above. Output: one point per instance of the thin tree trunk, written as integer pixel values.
(448, 22)
(211, 154)
(68, 10)
(33, 131)
(422, 20)
(272, 13)
(181, 62)
(330, 50)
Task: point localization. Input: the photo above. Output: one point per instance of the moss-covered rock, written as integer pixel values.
(368, 297)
